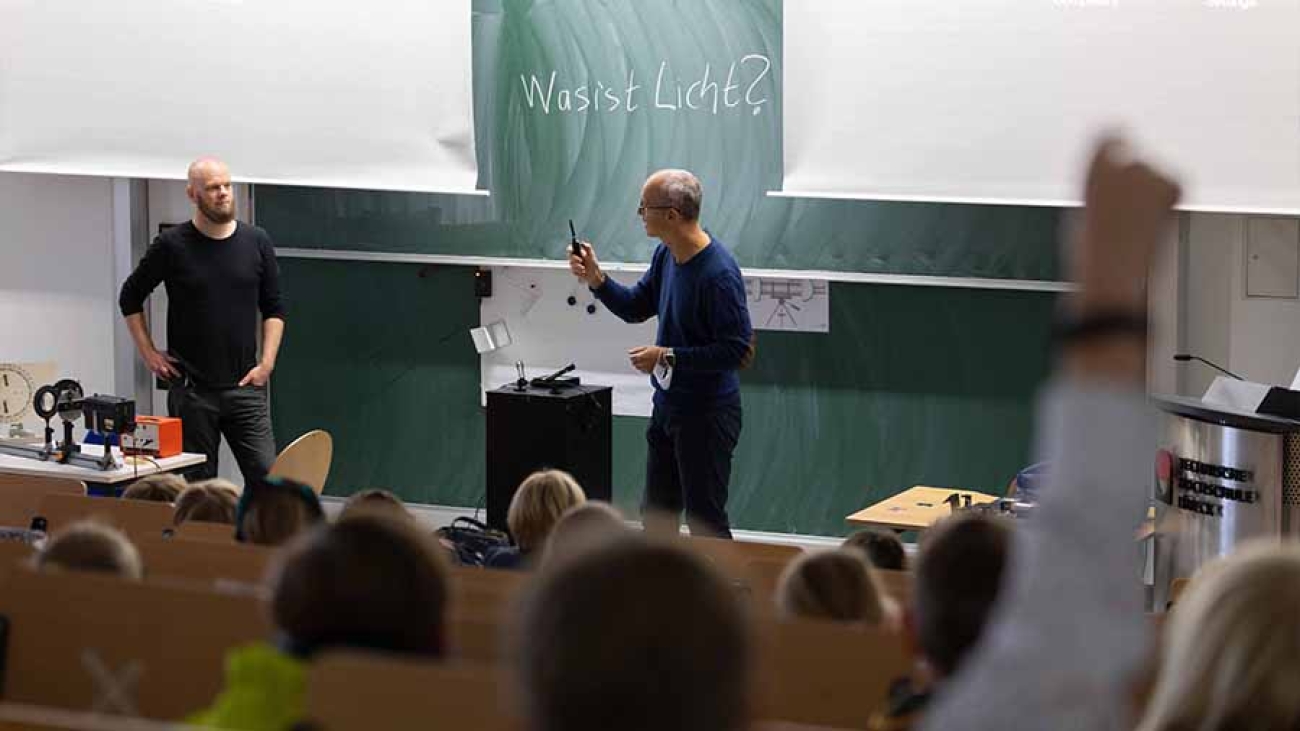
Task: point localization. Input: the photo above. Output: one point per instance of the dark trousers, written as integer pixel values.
(241, 414)
(689, 466)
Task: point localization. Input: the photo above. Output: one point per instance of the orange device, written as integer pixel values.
(156, 436)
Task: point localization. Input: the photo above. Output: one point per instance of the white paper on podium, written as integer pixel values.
(1295, 382)
(1230, 393)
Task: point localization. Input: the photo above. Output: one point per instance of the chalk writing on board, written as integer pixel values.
(708, 89)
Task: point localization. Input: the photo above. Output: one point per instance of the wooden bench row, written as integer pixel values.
(24, 717)
(754, 567)
(72, 640)
(65, 636)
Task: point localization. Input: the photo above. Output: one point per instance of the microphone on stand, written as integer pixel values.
(1184, 357)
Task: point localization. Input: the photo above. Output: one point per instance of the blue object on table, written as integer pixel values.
(1030, 480)
(94, 437)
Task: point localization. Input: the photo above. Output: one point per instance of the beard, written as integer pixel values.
(218, 215)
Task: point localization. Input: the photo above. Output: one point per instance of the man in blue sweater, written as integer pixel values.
(695, 289)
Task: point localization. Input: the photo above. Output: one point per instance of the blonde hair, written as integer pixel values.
(581, 528)
(542, 498)
(211, 501)
(375, 500)
(837, 585)
(163, 487)
(89, 545)
(1232, 648)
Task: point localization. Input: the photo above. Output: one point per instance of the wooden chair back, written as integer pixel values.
(485, 590)
(476, 637)
(753, 567)
(349, 690)
(307, 459)
(824, 673)
(20, 496)
(24, 717)
(136, 518)
(898, 584)
(89, 642)
(204, 561)
(202, 530)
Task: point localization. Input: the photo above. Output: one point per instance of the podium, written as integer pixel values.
(1225, 473)
(536, 428)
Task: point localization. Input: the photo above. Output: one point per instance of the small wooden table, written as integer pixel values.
(916, 508)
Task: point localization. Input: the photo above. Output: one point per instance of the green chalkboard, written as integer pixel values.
(913, 385)
(576, 101)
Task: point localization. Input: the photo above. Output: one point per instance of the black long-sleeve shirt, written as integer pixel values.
(215, 290)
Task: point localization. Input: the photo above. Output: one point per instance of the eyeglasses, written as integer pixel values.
(641, 209)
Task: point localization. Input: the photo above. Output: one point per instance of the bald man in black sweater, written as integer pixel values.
(221, 278)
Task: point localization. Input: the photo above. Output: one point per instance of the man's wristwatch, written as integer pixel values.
(670, 358)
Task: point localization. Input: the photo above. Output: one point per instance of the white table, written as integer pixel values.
(139, 467)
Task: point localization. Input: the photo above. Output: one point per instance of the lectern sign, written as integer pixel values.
(1198, 495)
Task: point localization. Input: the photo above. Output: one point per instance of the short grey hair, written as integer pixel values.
(682, 191)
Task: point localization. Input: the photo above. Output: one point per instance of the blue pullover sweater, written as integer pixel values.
(703, 317)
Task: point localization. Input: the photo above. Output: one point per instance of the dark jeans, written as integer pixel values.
(689, 465)
(241, 414)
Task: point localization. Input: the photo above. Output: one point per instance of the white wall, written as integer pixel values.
(1256, 337)
(1264, 336)
(1166, 294)
(1210, 271)
(58, 300)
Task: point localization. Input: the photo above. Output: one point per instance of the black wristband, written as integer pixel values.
(1100, 325)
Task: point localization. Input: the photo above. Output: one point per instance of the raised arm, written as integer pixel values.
(1069, 634)
(637, 303)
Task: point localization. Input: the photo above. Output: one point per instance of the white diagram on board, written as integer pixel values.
(798, 305)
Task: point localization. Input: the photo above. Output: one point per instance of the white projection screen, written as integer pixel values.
(374, 95)
(998, 101)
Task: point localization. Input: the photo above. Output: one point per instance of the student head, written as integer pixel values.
(273, 510)
(837, 586)
(538, 504)
(1232, 647)
(582, 527)
(209, 188)
(375, 500)
(637, 636)
(91, 546)
(670, 203)
(210, 501)
(370, 581)
(163, 487)
(881, 548)
(958, 574)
